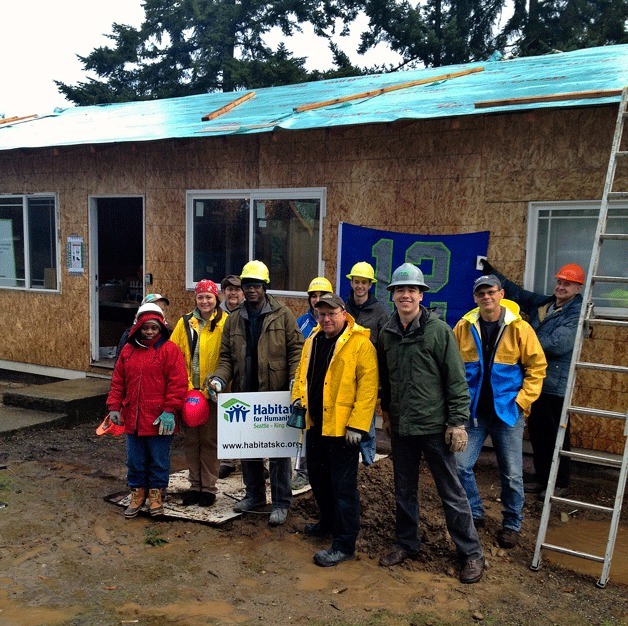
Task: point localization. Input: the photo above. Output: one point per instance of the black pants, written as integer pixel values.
(333, 470)
(543, 426)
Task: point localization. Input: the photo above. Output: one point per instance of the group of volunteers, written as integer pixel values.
(442, 393)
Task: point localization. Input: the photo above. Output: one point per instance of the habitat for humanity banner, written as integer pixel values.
(253, 425)
(448, 263)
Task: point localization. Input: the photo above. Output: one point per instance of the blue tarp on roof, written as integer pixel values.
(273, 108)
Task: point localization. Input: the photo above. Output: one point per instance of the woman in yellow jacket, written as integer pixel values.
(198, 334)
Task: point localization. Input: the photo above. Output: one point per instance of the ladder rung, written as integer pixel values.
(602, 367)
(618, 194)
(592, 458)
(585, 410)
(621, 153)
(616, 236)
(582, 505)
(605, 321)
(584, 555)
(610, 279)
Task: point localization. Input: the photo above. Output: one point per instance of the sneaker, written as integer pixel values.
(328, 558)
(472, 571)
(316, 530)
(300, 481)
(278, 517)
(225, 470)
(191, 497)
(138, 498)
(155, 503)
(207, 498)
(507, 538)
(248, 504)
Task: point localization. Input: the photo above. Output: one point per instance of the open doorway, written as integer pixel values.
(117, 271)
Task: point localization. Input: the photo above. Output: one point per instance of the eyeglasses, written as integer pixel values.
(330, 315)
(490, 292)
(252, 286)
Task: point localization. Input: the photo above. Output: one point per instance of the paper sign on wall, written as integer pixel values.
(253, 425)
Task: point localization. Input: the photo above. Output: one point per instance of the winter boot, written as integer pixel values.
(155, 505)
(138, 497)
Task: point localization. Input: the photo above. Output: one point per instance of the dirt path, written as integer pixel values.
(69, 557)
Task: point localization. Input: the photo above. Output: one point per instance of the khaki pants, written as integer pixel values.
(200, 445)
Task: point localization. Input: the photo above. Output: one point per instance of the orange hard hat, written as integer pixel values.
(571, 272)
(107, 427)
(195, 409)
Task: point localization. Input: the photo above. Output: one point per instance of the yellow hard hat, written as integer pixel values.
(320, 283)
(362, 270)
(255, 270)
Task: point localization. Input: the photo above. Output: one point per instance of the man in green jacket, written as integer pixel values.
(260, 351)
(425, 404)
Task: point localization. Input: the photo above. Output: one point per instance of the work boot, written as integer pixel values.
(472, 571)
(397, 556)
(507, 538)
(191, 497)
(278, 517)
(316, 530)
(299, 481)
(533, 488)
(138, 497)
(225, 470)
(155, 504)
(331, 557)
(207, 498)
(248, 504)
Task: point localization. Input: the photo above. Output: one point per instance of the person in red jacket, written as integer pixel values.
(148, 389)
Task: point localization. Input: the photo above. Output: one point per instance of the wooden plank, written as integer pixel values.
(377, 92)
(228, 107)
(15, 118)
(555, 97)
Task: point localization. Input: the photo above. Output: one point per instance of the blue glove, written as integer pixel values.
(116, 418)
(166, 423)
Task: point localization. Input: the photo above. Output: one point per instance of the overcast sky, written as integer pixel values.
(39, 41)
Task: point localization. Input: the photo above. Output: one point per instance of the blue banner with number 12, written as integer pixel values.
(448, 263)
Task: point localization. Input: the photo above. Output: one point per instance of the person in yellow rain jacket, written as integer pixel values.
(505, 367)
(198, 334)
(336, 381)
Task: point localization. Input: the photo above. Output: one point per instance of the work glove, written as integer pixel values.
(166, 423)
(456, 437)
(214, 387)
(386, 427)
(352, 438)
(487, 268)
(116, 418)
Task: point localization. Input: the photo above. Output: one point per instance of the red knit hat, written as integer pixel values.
(206, 286)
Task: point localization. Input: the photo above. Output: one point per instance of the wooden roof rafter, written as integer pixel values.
(377, 92)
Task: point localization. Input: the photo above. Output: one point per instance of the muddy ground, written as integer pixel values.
(69, 557)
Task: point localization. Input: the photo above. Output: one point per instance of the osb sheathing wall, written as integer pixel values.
(434, 177)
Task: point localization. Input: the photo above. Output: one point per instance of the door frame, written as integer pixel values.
(94, 315)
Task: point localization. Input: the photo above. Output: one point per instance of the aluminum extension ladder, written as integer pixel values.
(587, 319)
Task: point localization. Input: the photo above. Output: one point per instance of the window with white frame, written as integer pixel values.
(28, 241)
(564, 232)
(282, 228)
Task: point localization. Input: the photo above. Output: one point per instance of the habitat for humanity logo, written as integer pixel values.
(235, 410)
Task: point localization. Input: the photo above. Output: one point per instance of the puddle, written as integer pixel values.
(589, 536)
(17, 614)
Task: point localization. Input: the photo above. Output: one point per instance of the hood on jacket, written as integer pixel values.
(150, 317)
(512, 313)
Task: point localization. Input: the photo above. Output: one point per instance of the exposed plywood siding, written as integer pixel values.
(434, 176)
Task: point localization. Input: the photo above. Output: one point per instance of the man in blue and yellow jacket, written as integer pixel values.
(336, 381)
(505, 367)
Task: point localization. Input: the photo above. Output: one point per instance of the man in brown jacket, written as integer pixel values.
(260, 351)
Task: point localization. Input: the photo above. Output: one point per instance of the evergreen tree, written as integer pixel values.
(187, 47)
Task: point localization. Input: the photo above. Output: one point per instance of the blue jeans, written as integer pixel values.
(368, 444)
(508, 445)
(407, 453)
(280, 481)
(148, 461)
(333, 469)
